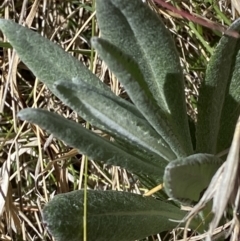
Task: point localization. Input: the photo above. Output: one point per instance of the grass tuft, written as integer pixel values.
(41, 166)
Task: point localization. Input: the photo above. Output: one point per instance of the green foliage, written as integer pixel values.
(111, 216)
(219, 98)
(91, 144)
(152, 137)
(113, 118)
(149, 44)
(190, 171)
(130, 75)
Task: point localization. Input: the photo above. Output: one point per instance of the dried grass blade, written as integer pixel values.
(228, 179)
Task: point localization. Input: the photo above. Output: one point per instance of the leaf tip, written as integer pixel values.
(94, 41)
(3, 22)
(23, 114)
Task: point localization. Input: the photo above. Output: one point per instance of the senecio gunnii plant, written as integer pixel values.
(152, 134)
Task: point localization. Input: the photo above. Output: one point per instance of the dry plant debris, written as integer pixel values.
(41, 166)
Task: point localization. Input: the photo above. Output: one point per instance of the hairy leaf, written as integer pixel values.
(186, 179)
(131, 77)
(142, 35)
(111, 215)
(219, 97)
(49, 62)
(231, 107)
(108, 115)
(91, 144)
(46, 59)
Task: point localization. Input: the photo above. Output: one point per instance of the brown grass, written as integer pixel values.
(41, 166)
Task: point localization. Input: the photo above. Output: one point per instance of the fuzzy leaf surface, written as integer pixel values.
(219, 96)
(108, 115)
(49, 62)
(131, 77)
(185, 179)
(111, 215)
(142, 35)
(231, 107)
(89, 143)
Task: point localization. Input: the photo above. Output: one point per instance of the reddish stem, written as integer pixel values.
(198, 20)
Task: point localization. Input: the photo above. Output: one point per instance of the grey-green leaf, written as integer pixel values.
(49, 62)
(186, 179)
(142, 35)
(219, 97)
(128, 72)
(231, 107)
(109, 116)
(111, 216)
(91, 144)
(46, 59)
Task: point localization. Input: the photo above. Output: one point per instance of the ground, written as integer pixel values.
(41, 166)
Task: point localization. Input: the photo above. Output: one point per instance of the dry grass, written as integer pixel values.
(41, 166)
